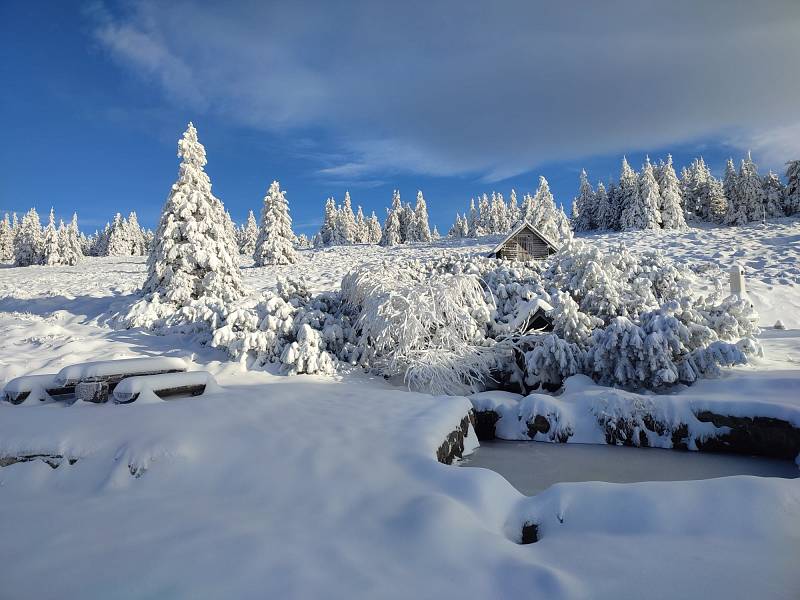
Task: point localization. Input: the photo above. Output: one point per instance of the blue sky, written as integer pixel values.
(451, 98)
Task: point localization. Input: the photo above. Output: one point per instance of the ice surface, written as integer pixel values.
(532, 467)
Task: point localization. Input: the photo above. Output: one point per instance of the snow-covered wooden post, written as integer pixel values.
(737, 281)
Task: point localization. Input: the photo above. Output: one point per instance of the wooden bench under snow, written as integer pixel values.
(36, 387)
(90, 381)
(192, 383)
(114, 371)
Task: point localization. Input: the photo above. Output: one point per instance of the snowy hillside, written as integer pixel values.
(316, 486)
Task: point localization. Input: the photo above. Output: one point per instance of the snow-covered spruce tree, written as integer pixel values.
(373, 229)
(136, 235)
(641, 206)
(422, 230)
(191, 255)
(50, 247)
(772, 195)
(715, 200)
(6, 240)
(563, 226)
(435, 235)
(69, 239)
(458, 229)
(327, 232)
(513, 210)
(736, 213)
(501, 222)
(390, 236)
(248, 235)
(473, 221)
(118, 238)
(792, 195)
(545, 215)
(406, 216)
(362, 230)
(670, 206)
(28, 242)
(615, 203)
(484, 217)
(346, 222)
(583, 205)
(749, 189)
(275, 244)
(604, 211)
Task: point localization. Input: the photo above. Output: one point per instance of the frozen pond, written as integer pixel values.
(534, 466)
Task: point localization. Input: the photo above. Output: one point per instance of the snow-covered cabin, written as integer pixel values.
(525, 242)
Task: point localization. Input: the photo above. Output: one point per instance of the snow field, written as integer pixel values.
(318, 486)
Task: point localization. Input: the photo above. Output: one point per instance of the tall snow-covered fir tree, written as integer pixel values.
(70, 241)
(406, 217)
(670, 206)
(583, 205)
(750, 190)
(639, 198)
(791, 203)
(6, 240)
(544, 215)
(275, 244)
(191, 255)
(422, 230)
(435, 235)
(604, 212)
(615, 202)
(346, 222)
(715, 200)
(390, 236)
(473, 220)
(136, 235)
(248, 235)
(362, 230)
(736, 212)
(51, 249)
(118, 238)
(328, 231)
(772, 194)
(513, 209)
(28, 242)
(373, 229)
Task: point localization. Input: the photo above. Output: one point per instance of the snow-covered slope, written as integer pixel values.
(329, 487)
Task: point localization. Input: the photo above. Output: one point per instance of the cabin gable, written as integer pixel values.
(525, 243)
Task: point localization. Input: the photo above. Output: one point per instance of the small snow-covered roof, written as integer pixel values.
(519, 228)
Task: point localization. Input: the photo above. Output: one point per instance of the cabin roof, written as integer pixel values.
(519, 228)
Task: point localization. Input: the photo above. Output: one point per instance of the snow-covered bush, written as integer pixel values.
(551, 361)
(427, 328)
(306, 354)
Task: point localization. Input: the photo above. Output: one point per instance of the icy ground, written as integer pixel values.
(321, 487)
(532, 468)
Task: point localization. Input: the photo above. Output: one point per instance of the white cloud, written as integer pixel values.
(444, 87)
(770, 147)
